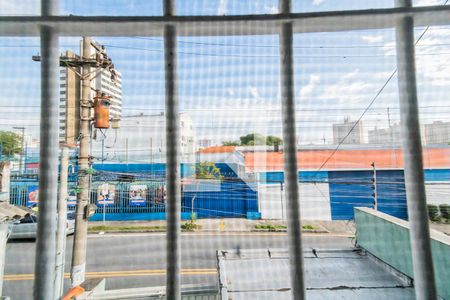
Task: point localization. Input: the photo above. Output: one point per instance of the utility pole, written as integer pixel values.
(61, 227)
(77, 273)
(374, 186)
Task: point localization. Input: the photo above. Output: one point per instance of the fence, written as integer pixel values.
(228, 197)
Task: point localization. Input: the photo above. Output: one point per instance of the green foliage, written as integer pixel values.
(208, 170)
(75, 190)
(445, 211)
(433, 212)
(11, 142)
(277, 227)
(270, 227)
(89, 171)
(190, 226)
(230, 143)
(107, 228)
(308, 227)
(253, 139)
(273, 140)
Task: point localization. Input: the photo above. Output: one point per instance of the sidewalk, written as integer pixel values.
(227, 225)
(239, 225)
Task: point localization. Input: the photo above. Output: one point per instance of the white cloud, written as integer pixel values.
(254, 92)
(350, 89)
(372, 39)
(230, 92)
(310, 88)
(318, 2)
(222, 7)
(270, 9)
(24, 7)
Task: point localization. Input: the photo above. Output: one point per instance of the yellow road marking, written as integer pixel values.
(129, 273)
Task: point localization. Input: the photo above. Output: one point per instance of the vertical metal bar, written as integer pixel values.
(424, 281)
(290, 156)
(62, 220)
(173, 206)
(48, 168)
(3, 240)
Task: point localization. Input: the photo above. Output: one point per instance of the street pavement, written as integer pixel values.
(138, 259)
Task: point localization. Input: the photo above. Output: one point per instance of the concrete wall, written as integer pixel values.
(314, 201)
(387, 238)
(438, 193)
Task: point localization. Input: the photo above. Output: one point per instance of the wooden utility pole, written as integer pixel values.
(77, 274)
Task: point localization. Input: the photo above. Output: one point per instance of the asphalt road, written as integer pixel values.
(137, 260)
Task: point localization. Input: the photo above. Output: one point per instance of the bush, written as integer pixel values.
(190, 226)
(433, 212)
(445, 211)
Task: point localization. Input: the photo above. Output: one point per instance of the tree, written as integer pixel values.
(274, 140)
(10, 142)
(208, 170)
(259, 139)
(230, 143)
(253, 139)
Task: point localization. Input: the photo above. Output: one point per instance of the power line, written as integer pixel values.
(370, 104)
(269, 56)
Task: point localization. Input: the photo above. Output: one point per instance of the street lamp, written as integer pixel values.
(21, 147)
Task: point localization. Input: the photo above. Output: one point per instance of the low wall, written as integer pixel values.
(387, 238)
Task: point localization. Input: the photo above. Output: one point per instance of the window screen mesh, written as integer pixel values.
(234, 199)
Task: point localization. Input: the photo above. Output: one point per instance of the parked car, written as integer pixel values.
(26, 227)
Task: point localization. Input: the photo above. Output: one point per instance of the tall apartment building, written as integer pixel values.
(70, 91)
(341, 130)
(437, 132)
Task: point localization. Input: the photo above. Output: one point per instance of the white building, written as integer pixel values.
(141, 139)
(341, 130)
(391, 135)
(204, 143)
(113, 89)
(437, 132)
(70, 92)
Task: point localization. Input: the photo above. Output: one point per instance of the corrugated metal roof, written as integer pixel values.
(336, 274)
(9, 212)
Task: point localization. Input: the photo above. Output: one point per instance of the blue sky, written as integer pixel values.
(230, 85)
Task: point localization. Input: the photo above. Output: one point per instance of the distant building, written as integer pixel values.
(385, 136)
(341, 130)
(204, 143)
(437, 132)
(391, 136)
(70, 91)
(141, 139)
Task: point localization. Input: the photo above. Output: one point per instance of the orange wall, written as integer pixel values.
(345, 159)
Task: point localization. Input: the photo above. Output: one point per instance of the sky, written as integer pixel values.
(230, 85)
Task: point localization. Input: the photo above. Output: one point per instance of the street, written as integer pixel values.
(137, 260)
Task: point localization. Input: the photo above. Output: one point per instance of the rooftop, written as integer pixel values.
(329, 274)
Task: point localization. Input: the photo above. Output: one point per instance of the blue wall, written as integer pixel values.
(349, 189)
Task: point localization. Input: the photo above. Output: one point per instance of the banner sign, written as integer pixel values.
(71, 197)
(105, 194)
(32, 196)
(138, 194)
(160, 195)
